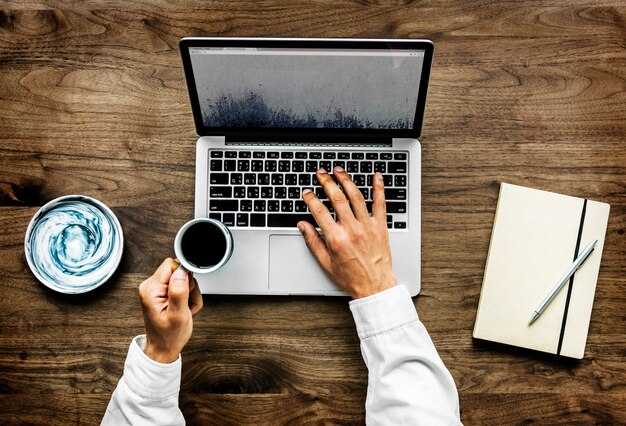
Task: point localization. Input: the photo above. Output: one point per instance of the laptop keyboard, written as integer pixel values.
(263, 188)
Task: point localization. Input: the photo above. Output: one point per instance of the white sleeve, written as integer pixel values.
(147, 393)
(407, 381)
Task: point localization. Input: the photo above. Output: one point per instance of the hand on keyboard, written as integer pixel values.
(355, 253)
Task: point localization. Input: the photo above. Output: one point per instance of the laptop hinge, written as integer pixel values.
(324, 141)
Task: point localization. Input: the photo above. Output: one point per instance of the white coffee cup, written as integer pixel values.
(203, 245)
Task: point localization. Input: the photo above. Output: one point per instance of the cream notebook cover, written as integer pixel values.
(536, 237)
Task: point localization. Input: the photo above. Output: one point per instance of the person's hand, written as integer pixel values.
(356, 253)
(168, 302)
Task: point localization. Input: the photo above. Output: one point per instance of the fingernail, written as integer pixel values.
(339, 169)
(306, 190)
(379, 176)
(301, 228)
(179, 274)
(322, 170)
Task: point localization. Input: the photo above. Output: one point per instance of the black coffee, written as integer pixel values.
(203, 245)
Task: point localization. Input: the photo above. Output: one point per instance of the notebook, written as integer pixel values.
(270, 113)
(536, 237)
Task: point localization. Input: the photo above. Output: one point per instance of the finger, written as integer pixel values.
(195, 297)
(164, 272)
(318, 210)
(315, 243)
(379, 206)
(335, 195)
(355, 196)
(178, 290)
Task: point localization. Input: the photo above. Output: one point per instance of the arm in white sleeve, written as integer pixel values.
(407, 381)
(147, 393)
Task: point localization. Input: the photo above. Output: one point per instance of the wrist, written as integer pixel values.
(160, 355)
(370, 290)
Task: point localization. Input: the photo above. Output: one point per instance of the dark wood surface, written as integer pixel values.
(93, 101)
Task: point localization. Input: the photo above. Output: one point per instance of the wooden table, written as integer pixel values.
(93, 101)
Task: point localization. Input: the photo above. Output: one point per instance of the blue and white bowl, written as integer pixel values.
(74, 244)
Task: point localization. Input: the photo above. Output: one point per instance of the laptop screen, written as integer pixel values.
(291, 88)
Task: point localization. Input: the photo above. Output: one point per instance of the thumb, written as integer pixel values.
(315, 243)
(178, 290)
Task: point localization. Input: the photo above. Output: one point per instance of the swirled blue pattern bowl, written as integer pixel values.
(74, 244)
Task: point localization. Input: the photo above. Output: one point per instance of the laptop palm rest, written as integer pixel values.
(293, 269)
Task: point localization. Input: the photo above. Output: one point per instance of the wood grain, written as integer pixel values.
(93, 101)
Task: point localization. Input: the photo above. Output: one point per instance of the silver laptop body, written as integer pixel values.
(292, 105)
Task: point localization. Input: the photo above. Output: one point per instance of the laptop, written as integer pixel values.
(269, 113)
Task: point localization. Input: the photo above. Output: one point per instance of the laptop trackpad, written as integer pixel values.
(293, 268)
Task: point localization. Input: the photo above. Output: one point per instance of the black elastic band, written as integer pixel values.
(571, 280)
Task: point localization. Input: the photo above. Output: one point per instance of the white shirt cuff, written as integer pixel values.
(147, 377)
(384, 311)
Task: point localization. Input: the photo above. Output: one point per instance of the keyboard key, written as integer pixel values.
(216, 216)
(253, 192)
(257, 219)
(352, 167)
(270, 165)
(328, 205)
(286, 154)
(304, 180)
(343, 155)
(396, 207)
(388, 180)
(400, 180)
(245, 154)
(359, 180)
(220, 192)
(242, 219)
(236, 178)
(256, 165)
(273, 205)
(284, 166)
(218, 178)
(311, 166)
(272, 154)
(263, 179)
(301, 154)
(228, 219)
(320, 193)
(395, 194)
(297, 166)
(223, 205)
(288, 220)
(314, 180)
(329, 155)
(286, 206)
(277, 179)
(358, 156)
(230, 154)
(243, 165)
(291, 179)
(400, 225)
(258, 154)
(371, 156)
(249, 179)
(386, 156)
(380, 166)
(293, 193)
(230, 165)
(341, 164)
(397, 167)
(366, 167)
(260, 205)
(300, 206)
(365, 192)
(217, 154)
(245, 205)
(326, 165)
(240, 192)
(280, 192)
(216, 166)
(267, 192)
(399, 156)
(315, 155)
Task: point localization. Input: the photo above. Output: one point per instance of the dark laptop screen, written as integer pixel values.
(244, 87)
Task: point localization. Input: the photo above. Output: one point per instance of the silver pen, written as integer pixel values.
(577, 264)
